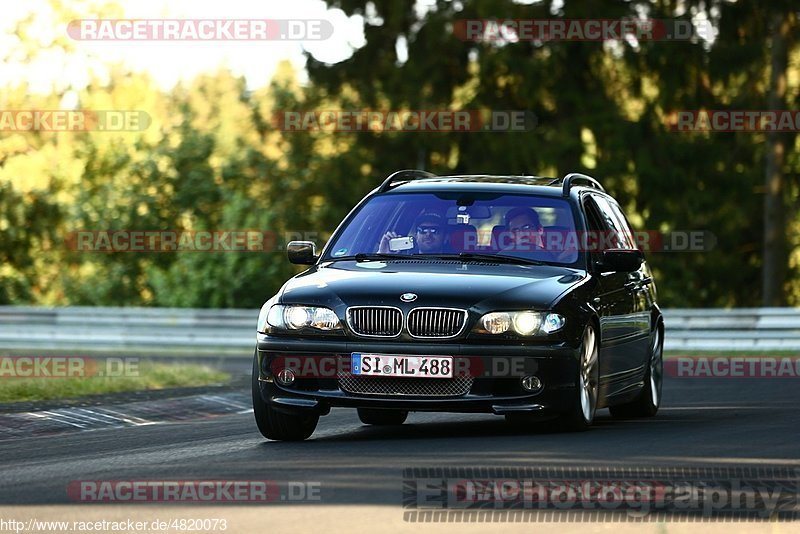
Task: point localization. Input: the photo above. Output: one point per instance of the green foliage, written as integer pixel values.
(602, 109)
(211, 158)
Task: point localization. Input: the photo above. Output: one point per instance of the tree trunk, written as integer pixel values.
(775, 247)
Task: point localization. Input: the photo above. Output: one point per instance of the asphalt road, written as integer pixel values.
(703, 423)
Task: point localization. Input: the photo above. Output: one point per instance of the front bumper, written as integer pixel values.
(496, 371)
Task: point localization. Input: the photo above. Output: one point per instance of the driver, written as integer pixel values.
(428, 235)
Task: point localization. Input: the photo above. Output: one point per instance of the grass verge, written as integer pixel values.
(149, 376)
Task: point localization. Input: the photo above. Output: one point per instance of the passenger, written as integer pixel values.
(525, 230)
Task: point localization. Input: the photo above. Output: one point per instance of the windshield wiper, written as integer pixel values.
(463, 256)
(494, 258)
(369, 256)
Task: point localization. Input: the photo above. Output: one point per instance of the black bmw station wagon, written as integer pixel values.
(520, 296)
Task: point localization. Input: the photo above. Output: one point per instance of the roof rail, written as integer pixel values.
(406, 175)
(576, 176)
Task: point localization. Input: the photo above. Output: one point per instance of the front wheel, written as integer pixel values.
(276, 425)
(581, 414)
(382, 417)
(647, 402)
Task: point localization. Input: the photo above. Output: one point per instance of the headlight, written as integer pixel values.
(262, 316)
(298, 317)
(523, 323)
(295, 317)
(553, 322)
(526, 323)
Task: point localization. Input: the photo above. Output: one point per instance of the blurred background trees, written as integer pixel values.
(213, 159)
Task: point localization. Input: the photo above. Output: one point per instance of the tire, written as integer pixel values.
(581, 414)
(276, 425)
(370, 416)
(649, 399)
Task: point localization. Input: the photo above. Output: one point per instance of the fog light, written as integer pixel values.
(531, 383)
(285, 377)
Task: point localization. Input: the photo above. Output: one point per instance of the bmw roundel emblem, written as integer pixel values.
(408, 297)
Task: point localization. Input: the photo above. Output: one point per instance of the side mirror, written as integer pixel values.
(302, 252)
(622, 260)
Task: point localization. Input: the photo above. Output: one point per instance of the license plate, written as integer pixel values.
(404, 366)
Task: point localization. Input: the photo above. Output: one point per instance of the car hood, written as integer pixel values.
(475, 286)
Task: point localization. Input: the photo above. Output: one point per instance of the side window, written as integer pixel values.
(629, 234)
(593, 217)
(600, 236)
(618, 232)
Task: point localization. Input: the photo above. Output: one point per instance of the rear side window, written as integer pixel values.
(618, 233)
(623, 221)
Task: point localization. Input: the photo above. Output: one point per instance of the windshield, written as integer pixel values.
(438, 224)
